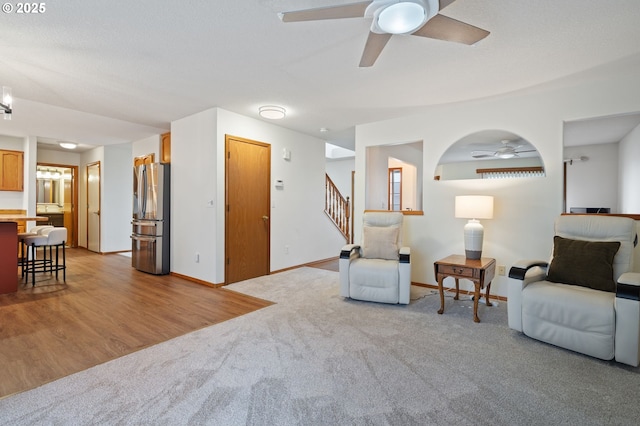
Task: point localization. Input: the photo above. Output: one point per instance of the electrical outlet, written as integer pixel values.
(501, 270)
(286, 249)
(197, 258)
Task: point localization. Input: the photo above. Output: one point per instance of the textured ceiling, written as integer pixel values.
(101, 73)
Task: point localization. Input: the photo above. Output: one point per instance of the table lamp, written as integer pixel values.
(474, 207)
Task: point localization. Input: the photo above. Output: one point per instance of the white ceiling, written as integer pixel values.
(106, 72)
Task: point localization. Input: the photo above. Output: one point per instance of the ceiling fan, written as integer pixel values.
(507, 150)
(407, 17)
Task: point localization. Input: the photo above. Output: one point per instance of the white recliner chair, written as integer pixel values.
(379, 269)
(585, 298)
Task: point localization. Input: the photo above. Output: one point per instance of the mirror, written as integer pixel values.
(50, 186)
(48, 191)
(490, 154)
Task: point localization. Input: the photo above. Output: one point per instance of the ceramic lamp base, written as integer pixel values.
(473, 236)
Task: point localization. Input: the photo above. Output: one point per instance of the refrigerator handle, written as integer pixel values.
(143, 184)
(139, 192)
(143, 238)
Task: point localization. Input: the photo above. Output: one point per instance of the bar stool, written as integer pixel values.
(48, 238)
(23, 248)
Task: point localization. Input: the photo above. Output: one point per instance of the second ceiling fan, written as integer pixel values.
(409, 17)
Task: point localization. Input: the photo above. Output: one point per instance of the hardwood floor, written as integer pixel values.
(329, 264)
(105, 310)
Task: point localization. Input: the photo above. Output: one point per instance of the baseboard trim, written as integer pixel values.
(196, 280)
(115, 252)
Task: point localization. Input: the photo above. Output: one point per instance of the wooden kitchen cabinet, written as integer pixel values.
(165, 148)
(11, 170)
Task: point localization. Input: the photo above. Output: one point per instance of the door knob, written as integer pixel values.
(265, 218)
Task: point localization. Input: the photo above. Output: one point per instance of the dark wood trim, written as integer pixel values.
(511, 170)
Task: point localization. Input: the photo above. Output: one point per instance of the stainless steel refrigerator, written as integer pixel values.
(150, 237)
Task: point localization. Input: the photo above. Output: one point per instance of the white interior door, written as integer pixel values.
(93, 207)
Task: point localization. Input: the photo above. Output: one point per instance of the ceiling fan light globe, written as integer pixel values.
(402, 18)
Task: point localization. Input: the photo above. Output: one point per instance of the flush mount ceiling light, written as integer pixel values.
(68, 145)
(7, 102)
(272, 112)
(403, 17)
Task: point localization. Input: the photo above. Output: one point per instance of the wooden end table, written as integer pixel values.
(480, 272)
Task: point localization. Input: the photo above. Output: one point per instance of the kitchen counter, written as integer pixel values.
(17, 217)
(9, 250)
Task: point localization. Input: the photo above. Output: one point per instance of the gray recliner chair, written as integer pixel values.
(379, 269)
(585, 298)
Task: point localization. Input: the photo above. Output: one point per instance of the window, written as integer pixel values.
(395, 188)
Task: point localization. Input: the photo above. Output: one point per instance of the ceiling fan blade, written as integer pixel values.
(375, 43)
(352, 10)
(482, 155)
(444, 28)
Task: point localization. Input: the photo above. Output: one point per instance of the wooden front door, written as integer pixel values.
(247, 209)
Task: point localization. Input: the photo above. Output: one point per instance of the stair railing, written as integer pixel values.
(338, 208)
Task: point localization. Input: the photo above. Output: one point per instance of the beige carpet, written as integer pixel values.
(314, 358)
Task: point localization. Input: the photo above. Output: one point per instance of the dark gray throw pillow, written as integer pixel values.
(583, 263)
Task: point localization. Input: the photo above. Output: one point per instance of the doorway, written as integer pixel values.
(57, 197)
(93, 207)
(247, 205)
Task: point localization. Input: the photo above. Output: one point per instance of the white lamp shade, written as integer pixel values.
(474, 206)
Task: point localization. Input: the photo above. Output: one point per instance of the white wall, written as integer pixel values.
(629, 172)
(67, 158)
(593, 182)
(193, 185)
(198, 174)
(117, 195)
(377, 193)
(525, 208)
(340, 173)
(150, 145)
